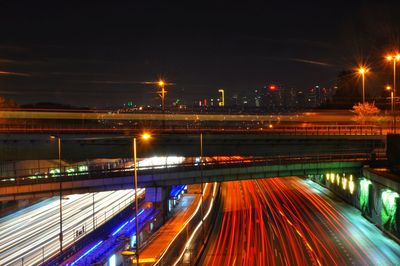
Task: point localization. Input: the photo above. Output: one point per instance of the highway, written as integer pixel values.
(290, 221)
(31, 235)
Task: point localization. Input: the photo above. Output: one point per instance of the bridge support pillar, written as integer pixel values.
(159, 197)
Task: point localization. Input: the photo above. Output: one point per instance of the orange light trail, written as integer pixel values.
(282, 221)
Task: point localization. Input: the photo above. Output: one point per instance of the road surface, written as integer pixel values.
(291, 221)
(31, 235)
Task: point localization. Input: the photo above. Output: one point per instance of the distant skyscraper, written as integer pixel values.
(234, 99)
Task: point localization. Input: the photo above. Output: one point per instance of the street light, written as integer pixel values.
(202, 187)
(362, 71)
(59, 166)
(394, 58)
(145, 136)
(162, 92)
(388, 88)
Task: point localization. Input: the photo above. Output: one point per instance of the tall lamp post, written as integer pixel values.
(59, 166)
(394, 59)
(202, 186)
(144, 136)
(388, 88)
(362, 72)
(162, 92)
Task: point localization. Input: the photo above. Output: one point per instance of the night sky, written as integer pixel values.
(100, 54)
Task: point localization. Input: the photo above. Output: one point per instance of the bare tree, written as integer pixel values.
(365, 112)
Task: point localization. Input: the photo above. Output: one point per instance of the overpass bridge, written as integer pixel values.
(79, 146)
(23, 187)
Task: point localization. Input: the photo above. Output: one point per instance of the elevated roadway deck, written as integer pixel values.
(115, 179)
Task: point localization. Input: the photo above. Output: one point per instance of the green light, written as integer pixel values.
(70, 171)
(82, 168)
(364, 193)
(389, 208)
(54, 172)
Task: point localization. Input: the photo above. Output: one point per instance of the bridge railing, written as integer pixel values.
(55, 170)
(284, 128)
(98, 171)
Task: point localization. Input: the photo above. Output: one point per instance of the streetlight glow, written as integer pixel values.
(394, 58)
(162, 92)
(389, 89)
(146, 136)
(362, 70)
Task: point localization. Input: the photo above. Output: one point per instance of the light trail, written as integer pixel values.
(107, 243)
(193, 234)
(31, 235)
(333, 116)
(183, 228)
(284, 221)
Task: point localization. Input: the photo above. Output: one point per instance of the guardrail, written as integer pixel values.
(95, 172)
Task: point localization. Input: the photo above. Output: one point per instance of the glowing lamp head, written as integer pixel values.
(388, 88)
(395, 57)
(146, 136)
(161, 83)
(362, 70)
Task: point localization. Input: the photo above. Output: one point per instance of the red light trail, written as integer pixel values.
(284, 221)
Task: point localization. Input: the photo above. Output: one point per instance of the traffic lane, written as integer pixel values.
(37, 230)
(300, 226)
(242, 237)
(380, 249)
(334, 230)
